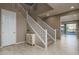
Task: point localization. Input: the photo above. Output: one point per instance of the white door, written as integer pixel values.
(8, 27)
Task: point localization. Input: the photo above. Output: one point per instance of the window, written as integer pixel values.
(71, 27)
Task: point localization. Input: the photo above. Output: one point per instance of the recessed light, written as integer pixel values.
(74, 15)
(47, 14)
(72, 7)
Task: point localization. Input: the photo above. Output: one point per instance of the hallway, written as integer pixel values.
(68, 45)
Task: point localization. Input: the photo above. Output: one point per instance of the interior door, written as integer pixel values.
(8, 27)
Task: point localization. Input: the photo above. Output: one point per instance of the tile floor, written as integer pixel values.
(68, 45)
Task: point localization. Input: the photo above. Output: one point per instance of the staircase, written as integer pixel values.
(50, 30)
(51, 33)
(43, 31)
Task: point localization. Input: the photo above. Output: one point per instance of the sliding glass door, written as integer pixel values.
(71, 28)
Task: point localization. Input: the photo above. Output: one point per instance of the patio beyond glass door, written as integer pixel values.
(71, 28)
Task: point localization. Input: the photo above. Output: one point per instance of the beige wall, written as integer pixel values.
(0, 27)
(78, 29)
(54, 22)
(20, 21)
(70, 16)
(21, 27)
(70, 13)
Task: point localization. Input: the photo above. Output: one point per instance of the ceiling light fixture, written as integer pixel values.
(74, 15)
(47, 15)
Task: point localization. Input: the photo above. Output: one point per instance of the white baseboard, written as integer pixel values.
(39, 46)
(20, 42)
(14, 44)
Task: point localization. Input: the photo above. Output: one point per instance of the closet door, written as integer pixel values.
(8, 27)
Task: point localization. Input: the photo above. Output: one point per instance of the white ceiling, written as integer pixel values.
(59, 8)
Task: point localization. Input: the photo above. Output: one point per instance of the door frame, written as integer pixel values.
(1, 27)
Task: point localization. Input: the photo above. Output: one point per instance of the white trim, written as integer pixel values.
(13, 44)
(46, 39)
(38, 46)
(20, 42)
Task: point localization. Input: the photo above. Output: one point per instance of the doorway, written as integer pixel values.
(69, 28)
(8, 27)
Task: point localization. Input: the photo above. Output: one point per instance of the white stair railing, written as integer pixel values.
(51, 31)
(39, 31)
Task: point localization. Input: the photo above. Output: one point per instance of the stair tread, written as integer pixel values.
(49, 42)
